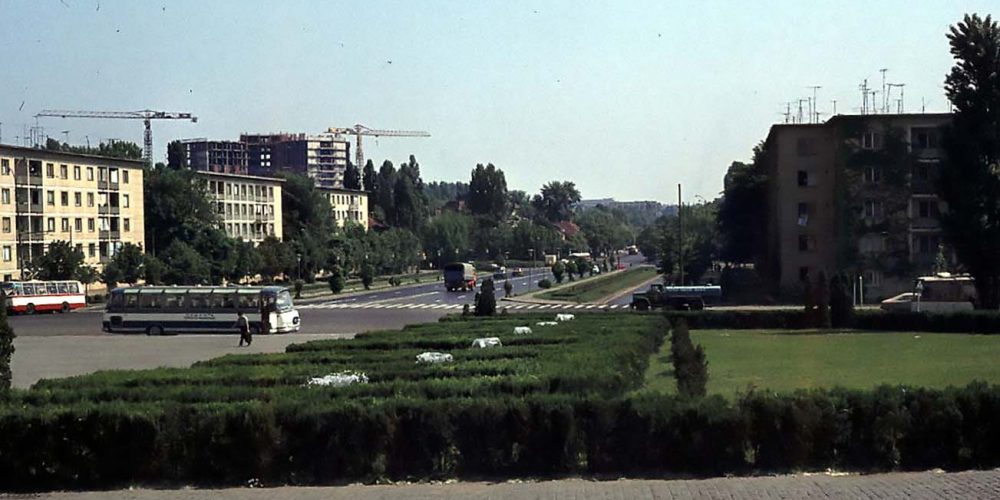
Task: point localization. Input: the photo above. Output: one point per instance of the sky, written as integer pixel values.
(626, 99)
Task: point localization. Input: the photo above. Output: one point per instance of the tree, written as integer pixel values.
(841, 306)
(246, 261)
(153, 270)
(446, 237)
(87, 275)
(336, 279)
(970, 172)
(6, 345)
(130, 261)
(558, 269)
(742, 216)
(488, 194)
(352, 177)
(369, 177)
(176, 207)
(556, 201)
(698, 247)
(409, 210)
(603, 230)
(274, 257)
(367, 274)
(111, 276)
(61, 262)
(184, 265)
(822, 301)
(384, 185)
(176, 155)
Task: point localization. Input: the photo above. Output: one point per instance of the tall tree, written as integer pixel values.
(176, 158)
(742, 217)
(352, 177)
(61, 262)
(6, 346)
(184, 265)
(369, 177)
(384, 185)
(130, 261)
(488, 193)
(557, 199)
(970, 174)
(176, 207)
(446, 237)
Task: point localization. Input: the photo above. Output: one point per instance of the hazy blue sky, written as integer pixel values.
(625, 98)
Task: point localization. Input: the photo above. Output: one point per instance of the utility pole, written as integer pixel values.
(680, 233)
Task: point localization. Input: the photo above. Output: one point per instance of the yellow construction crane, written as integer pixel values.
(145, 115)
(359, 130)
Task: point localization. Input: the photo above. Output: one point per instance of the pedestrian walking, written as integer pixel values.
(244, 326)
(507, 288)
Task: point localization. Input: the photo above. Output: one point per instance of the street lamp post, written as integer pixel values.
(531, 269)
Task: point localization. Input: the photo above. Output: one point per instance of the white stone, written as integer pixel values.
(546, 323)
(339, 379)
(486, 342)
(564, 317)
(434, 357)
(522, 330)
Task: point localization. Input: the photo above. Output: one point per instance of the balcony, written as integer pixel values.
(109, 235)
(108, 210)
(107, 185)
(25, 207)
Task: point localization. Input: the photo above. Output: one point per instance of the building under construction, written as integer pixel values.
(322, 157)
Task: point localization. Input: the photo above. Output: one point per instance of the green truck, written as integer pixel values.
(681, 298)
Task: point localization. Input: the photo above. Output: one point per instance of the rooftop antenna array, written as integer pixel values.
(864, 96)
(899, 101)
(885, 97)
(814, 111)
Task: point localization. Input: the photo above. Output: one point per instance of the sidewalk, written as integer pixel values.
(905, 485)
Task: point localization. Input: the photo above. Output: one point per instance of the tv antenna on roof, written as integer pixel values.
(885, 100)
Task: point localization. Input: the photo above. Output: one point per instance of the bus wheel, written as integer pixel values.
(155, 330)
(30, 309)
(65, 307)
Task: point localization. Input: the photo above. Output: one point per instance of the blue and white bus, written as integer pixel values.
(157, 310)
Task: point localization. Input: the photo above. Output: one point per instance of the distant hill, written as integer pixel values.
(638, 213)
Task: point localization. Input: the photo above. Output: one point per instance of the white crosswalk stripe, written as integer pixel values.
(519, 306)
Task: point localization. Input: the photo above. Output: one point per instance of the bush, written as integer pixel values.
(690, 365)
(336, 280)
(486, 301)
(6, 345)
(841, 304)
(557, 271)
(544, 283)
(367, 275)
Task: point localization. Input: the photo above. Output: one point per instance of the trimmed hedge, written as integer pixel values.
(324, 442)
(986, 322)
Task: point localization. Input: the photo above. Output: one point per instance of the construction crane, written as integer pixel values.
(359, 130)
(145, 115)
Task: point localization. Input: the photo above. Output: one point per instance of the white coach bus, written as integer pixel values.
(156, 310)
(36, 296)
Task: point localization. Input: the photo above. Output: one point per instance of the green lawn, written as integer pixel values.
(601, 287)
(785, 361)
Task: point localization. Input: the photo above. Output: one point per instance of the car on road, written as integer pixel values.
(517, 272)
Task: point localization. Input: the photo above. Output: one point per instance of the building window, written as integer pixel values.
(804, 273)
(803, 214)
(64, 198)
(126, 225)
(78, 199)
(6, 254)
(63, 172)
(124, 176)
(51, 225)
(5, 196)
(65, 224)
(871, 140)
(806, 243)
(805, 179)
(91, 250)
(873, 175)
(6, 224)
(90, 224)
(928, 244)
(90, 199)
(50, 197)
(927, 209)
(5, 166)
(923, 138)
(76, 172)
(78, 225)
(50, 170)
(102, 174)
(125, 201)
(873, 208)
(90, 177)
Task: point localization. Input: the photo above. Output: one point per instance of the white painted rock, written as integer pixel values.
(434, 357)
(522, 330)
(564, 317)
(546, 323)
(340, 379)
(486, 342)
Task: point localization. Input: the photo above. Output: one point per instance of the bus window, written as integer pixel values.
(74, 288)
(29, 289)
(63, 288)
(150, 300)
(197, 300)
(284, 302)
(116, 302)
(16, 289)
(229, 300)
(132, 301)
(173, 300)
(50, 288)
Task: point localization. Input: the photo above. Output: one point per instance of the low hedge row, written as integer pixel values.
(111, 445)
(986, 322)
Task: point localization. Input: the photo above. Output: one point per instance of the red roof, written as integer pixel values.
(567, 228)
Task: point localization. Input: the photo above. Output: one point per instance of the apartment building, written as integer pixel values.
(215, 156)
(855, 194)
(347, 205)
(93, 202)
(249, 206)
(322, 157)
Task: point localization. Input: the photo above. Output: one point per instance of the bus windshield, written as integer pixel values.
(284, 301)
